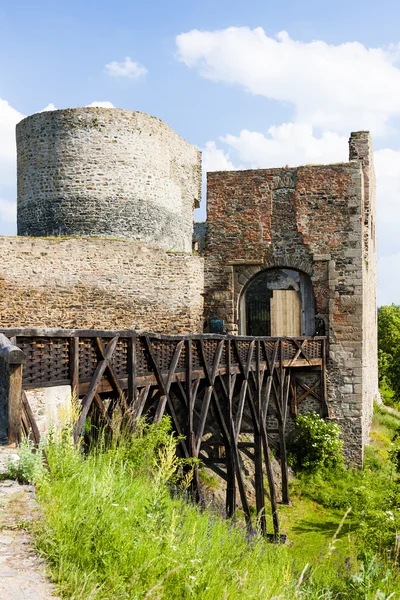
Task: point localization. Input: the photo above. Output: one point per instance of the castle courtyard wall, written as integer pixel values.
(311, 219)
(105, 284)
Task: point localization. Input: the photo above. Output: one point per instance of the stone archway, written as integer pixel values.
(277, 302)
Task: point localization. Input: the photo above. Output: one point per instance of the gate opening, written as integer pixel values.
(278, 303)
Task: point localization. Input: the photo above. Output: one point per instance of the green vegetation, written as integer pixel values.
(315, 444)
(389, 354)
(117, 524)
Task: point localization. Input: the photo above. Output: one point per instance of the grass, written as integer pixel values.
(117, 525)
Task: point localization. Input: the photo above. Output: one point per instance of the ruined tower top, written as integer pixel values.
(101, 172)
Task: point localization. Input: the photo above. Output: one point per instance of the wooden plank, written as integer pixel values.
(285, 313)
(103, 411)
(74, 364)
(140, 402)
(14, 404)
(112, 375)
(29, 419)
(98, 374)
(258, 462)
(132, 370)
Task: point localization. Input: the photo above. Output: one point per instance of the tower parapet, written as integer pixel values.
(96, 172)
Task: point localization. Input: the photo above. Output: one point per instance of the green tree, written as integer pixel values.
(389, 353)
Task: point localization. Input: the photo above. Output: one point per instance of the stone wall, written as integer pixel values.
(51, 406)
(361, 151)
(105, 284)
(313, 219)
(106, 173)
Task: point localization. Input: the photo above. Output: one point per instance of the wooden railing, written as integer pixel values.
(215, 388)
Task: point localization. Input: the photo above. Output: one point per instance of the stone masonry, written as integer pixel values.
(104, 194)
(104, 172)
(104, 284)
(318, 220)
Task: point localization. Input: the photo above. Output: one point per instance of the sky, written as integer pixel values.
(253, 84)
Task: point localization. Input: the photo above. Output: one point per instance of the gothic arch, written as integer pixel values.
(276, 294)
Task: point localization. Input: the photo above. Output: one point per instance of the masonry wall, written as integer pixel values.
(312, 219)
(106, 173)
(361, 151)
(106, 284)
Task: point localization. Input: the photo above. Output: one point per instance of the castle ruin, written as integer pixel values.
(105, 222)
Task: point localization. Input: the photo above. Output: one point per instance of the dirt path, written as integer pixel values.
(22, 574)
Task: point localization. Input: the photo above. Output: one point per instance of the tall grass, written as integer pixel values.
(117, 525)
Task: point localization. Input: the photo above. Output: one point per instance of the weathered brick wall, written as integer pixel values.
(312, 219)
(106, 173)
(106, 284)
(361, 151)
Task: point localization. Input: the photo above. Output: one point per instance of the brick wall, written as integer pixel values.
(314, 219)
(106, 284)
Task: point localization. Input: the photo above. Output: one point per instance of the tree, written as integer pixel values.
(389, 353)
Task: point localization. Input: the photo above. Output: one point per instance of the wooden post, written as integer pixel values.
(230, 462)
(12, 359)
(258, 462)
(74, 364)
(132, 369)
(14, 404)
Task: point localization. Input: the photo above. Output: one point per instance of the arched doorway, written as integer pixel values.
(278, 302)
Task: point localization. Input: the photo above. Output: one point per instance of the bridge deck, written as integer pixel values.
(215, 389)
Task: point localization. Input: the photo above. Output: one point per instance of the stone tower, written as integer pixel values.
(101, 172)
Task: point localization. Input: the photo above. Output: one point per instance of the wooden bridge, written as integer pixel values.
(219, 391)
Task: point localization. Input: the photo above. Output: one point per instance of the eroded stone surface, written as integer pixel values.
(22, 571)
(108, 173)
(318, 219)
(103, 284)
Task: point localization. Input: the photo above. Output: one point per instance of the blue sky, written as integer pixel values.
(223, 87)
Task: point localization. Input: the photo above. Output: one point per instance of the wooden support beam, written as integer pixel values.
(74, 364)
(98, 374)
(258, 461)
(132, 370)
(14, 404)
(29, 420)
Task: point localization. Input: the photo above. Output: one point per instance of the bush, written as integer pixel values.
(29, 466)
(315, 444)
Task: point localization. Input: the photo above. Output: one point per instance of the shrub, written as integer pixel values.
(30, 466)
(315, 444)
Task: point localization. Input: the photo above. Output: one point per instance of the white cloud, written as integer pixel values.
(288, 144)
(387, 165)
(9, 117)
(336, 87)
(127, 68)
(96, 104)
(388, 281)
(48, 108)
(215, 159)
(8, 211)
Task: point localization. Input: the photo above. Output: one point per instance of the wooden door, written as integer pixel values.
(285, 314)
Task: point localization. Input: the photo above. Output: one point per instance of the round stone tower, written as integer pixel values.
(106, 172)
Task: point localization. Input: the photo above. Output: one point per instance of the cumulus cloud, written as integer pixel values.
(288, 144)
(104, 104)
(9, 117)
(48, 107)
(8, 211)
(215, 159)
(335, 87)
(126, 68)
